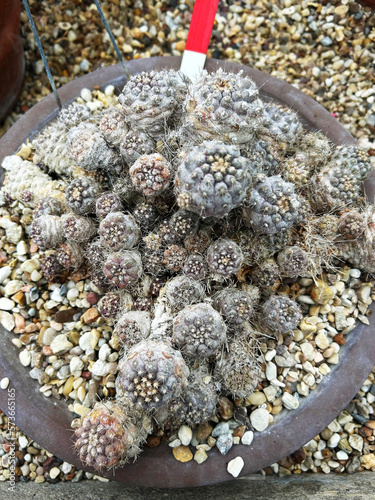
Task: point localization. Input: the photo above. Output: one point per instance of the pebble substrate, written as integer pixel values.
(354, 437)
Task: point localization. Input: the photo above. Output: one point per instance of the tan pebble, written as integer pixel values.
(321, 293)
(370, 424)
(334, 359)
(328, 352)
(31, 327)
(257, 398)
(19, 297)
(368, 461)
(322, 341)
(90, 316)
(306, 328)
(239, 431)
(20, 322)
(80, 409)
(182, 453)
(341, 10)
(211, 441)
(225, 408)
(314, 310)
(68, 386)
(81, 393)
(180, 46)
(203, 431)
(200, 456)
(24, 152)
(94, 338)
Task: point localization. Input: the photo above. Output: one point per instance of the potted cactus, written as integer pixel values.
(197, 216)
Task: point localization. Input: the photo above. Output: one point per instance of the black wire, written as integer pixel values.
(40, 48)
(101, 13)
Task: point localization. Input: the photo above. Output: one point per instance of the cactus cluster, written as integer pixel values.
(192, 209)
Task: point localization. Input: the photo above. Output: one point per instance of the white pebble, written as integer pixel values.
(5, 272)
(6, 304)
(355, 273)
(109, 90)
(86, 95)
(4, 383)
(76, 365)
(235, 466)
(185, 435)
(247, 438)
(25, 357)
(54, 472)
(104, 352)
(66, 467)
(60, 344)
(260, 419)
(341, 455)
(100, 368)
(200, 456)
(334, 440)
(72, 294)
(289, 401)
(23, 441)
(271, 371)
(21, 248)
(84, 341)
(174, 443)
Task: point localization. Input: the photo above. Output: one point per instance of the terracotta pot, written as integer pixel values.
(48, 420)
(11, 55)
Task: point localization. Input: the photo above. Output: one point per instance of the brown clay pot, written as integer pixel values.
(48, 420)
(11, 55)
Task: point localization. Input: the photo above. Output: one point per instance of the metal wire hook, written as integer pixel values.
(112, 38)
(41, 51)
(44, 59)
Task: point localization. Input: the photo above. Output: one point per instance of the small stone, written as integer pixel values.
(247, 438)
(84, 341)
(321, 340)
(200, 456)
(6, 304)
(100, 368)
(321, 293)
(368, 461)
(341, 455)
(174, 443)
(4, 383)
(203, 431)
(185, 435)
(306, 328)
(66, 467)
(220, 428)
(225, 408)
(60, 344)
(260, 419)
(76, 365)
(182, 453)
(54, 472)
(289, 401)
(364, 293)
(23, 441)
(334, 440)
(235, 466)
(12, 287)
(224, 443)
(25, 357)
(257, 398)
(271, 371)
(104, 352)
(356, 442)
(5, 272)
(90, 316)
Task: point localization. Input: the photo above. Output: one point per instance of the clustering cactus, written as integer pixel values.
(194, 210)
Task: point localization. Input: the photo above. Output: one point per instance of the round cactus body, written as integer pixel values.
(199, 330)
(132, 327)
(81, 195)
(151, 174)
(281, 314)
(152, 374)
(119, 231)
(235, 306)
(123, 269)
(293, 261)
(46, 231)
(223, 105)
(224, 257)
(90, 151)
(135, 144)
(108, 203)
(195, 266)
(113, 127)
(212, 179)
(182, 291)
(150, 99)
(77, 228)
(108, 436)
(272, 206)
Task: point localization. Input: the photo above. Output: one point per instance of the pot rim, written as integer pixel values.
(47, 421)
